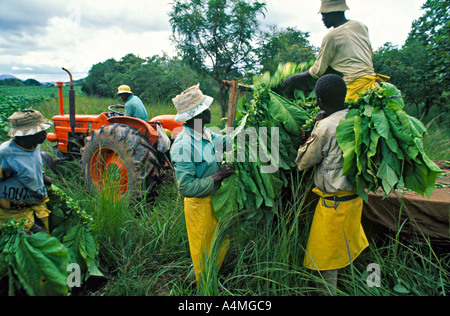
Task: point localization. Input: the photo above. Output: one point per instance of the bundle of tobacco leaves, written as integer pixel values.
(383, 146)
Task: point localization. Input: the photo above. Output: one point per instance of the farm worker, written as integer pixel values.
(196, 159)
(23, 193)
(133, 106)
(336, 237)
(346, 49)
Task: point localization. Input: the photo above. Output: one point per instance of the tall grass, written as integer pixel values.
(437, 141)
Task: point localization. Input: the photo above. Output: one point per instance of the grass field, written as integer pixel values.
(144, 248)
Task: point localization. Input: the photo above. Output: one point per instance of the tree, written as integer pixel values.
(420, 67)
(32, 82)
(281, 46)
(216, 37)
(96, 83)
(432, 31)
(430, 39)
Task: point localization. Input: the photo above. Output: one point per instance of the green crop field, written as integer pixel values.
(143, 247)
(13, 99)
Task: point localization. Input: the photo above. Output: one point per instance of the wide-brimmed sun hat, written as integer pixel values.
(191, 103)
(124, 89)
(28, 122)
(333, 6)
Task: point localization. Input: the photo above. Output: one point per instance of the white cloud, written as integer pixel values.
(387, 20)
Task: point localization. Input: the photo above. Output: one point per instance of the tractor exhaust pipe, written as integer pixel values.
(71, 103)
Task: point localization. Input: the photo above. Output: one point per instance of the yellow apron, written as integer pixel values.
(363, 84)
(201, 223)
(337, 237)
(40, 210)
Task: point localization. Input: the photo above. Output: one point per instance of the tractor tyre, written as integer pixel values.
(118, 160)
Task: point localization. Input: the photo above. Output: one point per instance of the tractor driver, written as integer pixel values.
(133, 106)
(23, 193)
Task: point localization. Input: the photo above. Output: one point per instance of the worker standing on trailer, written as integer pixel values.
(196, 156)
(133, 106)
(23, 193)
(336, 236)
(346, 49)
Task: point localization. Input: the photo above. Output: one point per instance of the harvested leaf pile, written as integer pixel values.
(256, 183)
(252, 187)
(38, 263)
(383, 147)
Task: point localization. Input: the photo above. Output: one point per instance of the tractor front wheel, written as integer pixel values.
(117, 160)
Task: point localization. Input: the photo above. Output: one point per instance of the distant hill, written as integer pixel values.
(3, 77)
(13, 81)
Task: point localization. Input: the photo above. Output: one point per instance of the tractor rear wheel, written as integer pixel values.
(117, 160)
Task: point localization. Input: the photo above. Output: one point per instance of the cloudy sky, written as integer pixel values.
(38, 37)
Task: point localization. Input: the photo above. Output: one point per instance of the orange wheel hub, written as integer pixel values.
(108, 171)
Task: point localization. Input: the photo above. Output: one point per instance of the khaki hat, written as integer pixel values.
(333, 6)
(124, 89)
(191, 103)
(28, 122)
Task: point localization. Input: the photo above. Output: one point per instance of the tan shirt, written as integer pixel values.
(346, 49)
(323, 150)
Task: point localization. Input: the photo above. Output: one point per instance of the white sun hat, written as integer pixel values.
(191, 103)
(333, 6)
(28, 122)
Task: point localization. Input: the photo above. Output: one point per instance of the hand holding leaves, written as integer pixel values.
(223, 173)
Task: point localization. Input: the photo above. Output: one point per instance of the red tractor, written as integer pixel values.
(111, 143)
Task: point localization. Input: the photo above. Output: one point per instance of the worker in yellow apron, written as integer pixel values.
(34, 216)
(346, 49)
(196, 154)
(337, 237)
(23, 193)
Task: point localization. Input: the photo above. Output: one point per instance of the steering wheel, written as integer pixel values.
(116, 111)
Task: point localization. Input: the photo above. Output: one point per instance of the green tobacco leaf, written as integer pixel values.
(250, 184)
(393, 94)
(224, 199)
(40, 263)
(287, 113)
(415, 177)
(428, 162)
(345, 135)
(272, 183)
(80, 241)
(417, 127)
(382, 125)
(399, 123)
(433, 170)
(388, 177)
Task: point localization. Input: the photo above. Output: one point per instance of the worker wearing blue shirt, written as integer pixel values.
(23, 193)
(196, 159)
(134, 106)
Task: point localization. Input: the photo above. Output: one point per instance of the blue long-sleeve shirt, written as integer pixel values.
(135, 108)
(196, 158)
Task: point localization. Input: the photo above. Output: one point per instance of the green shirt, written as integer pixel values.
(195, 159)
(135, 108)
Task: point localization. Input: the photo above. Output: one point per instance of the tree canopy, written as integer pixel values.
(277, 46)
(153, 79)
(216, 37)
(420, 67)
